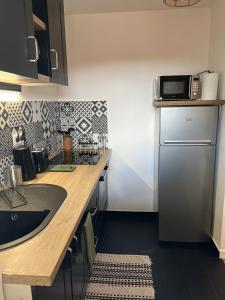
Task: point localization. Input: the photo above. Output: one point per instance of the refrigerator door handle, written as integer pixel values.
(188, 142)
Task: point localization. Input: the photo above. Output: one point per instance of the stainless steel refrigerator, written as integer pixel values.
(186, 172)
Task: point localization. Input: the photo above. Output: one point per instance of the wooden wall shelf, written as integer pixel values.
(178, 103)
(39, 25)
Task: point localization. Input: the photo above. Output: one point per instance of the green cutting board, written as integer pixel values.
(61, 168)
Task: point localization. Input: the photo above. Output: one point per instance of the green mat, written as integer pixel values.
(62, 168)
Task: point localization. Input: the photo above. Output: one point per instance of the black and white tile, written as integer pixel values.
(36, 109)
(64, 124)
(67, 123)
(58, 124)
(57, 109)
(4, 163)
(52, 110)
(4, 115)
(99, 117)
(27, 112)
(34, 133)
(46, 129)
(79, 137)
(83, 125)
(67, 110)
(87, 117)
(29, 134)
(14, 110)
(39, 119)
(53, 144)
(67, 115)
(99, 108)
(44, 111)
(6, 143)
(53, 127)
(83, 109)
(40, 145)
(42, 119)
(100, 124)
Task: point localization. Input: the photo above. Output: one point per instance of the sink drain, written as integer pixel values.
(14, 217)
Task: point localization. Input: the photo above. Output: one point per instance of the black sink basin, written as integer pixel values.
(22, 223)
(17, 224)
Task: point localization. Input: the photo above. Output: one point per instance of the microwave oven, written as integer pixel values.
(177, 87)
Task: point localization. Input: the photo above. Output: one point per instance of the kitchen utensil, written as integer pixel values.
(67, 139)
(67, 143)
(11, 189)
(12, 177)
(68, 157)
(23, 157)
(41, 160)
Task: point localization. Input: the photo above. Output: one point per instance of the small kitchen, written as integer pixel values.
(112, 149)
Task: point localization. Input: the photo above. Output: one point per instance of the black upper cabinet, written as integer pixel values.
(33, 42)
(18, 50)
(57, 41)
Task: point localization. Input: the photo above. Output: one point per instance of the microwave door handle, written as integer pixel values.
(188, 142)
(157, 88)
(190, 87)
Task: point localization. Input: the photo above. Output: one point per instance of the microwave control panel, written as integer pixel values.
(195, 87)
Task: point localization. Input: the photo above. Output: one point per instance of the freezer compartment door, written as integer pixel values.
(188, 125)
(186, 175)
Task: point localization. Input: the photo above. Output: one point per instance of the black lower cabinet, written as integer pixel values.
(80, 268)
(72, 278)
(74, 273)
(102, 205)
(98, 205)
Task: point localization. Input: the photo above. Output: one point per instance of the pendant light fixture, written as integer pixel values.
(180, 3)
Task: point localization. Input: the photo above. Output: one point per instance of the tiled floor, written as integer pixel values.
(180, 271)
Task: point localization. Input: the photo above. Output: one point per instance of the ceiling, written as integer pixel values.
(102, 6)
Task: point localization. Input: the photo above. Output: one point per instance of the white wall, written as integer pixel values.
(217, 63)
(115, 57)
(39, 93)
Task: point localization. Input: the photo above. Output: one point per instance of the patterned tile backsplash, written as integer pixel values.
(41, 120)
(87, 117)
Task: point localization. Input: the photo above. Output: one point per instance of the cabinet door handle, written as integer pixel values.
(102, 178)
(56, 59)
(93, 213)
(34, 60)
(75, 238)
(71, 271)
(96, 241)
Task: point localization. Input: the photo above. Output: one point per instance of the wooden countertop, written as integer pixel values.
(160, 104)
(36, 261)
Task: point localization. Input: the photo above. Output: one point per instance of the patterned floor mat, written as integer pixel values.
(121, 277)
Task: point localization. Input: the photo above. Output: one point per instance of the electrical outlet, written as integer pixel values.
(16, 135)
